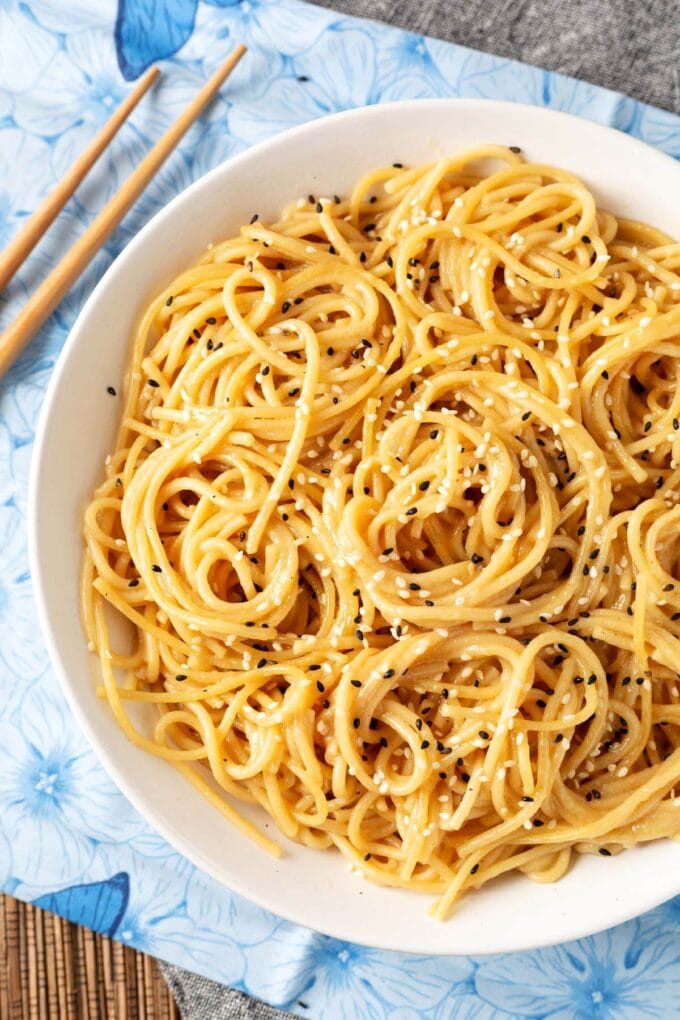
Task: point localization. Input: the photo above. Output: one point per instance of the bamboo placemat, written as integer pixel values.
(51, 969)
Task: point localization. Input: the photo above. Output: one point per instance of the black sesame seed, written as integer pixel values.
(153, 383)
(169, 301)
(156, 569)
(133, 583)
(321, 687)
(604, 852)
(356, 723)
(111, 391)
(424, 744)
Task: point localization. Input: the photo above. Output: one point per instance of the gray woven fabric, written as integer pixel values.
(632, 46)
(629, 45)
(201, 999)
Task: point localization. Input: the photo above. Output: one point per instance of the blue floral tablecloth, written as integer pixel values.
(69, 841)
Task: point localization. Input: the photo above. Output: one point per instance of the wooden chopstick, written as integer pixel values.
(25, 241)
(50, 292)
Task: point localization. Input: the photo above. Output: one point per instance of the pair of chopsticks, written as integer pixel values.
(48, 295)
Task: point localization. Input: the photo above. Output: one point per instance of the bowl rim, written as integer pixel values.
(619, 912)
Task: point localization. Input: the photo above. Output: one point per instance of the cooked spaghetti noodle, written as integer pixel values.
(393, 513)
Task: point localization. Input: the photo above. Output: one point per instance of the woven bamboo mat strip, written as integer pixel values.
(51, 969)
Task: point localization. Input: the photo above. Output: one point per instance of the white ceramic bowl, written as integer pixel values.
(76, 431)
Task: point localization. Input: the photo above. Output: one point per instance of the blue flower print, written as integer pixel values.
(257, 70)
(214, 145)
(467, 73)
(21, 657)
(465, 1004)
(172, 178)
(148, 30)
(73, 97)
(612, 976)
(26, 49)
(591, 102)
(342, 981)
(15, 459)
(405, 69)
(96, 905)
(155, 919)
(150, 843)
(665, 920)
(659, 128)
(81, 14)
(269, 25)
(20, 193)
(56, 801)
(337, 72)
(213, 906)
